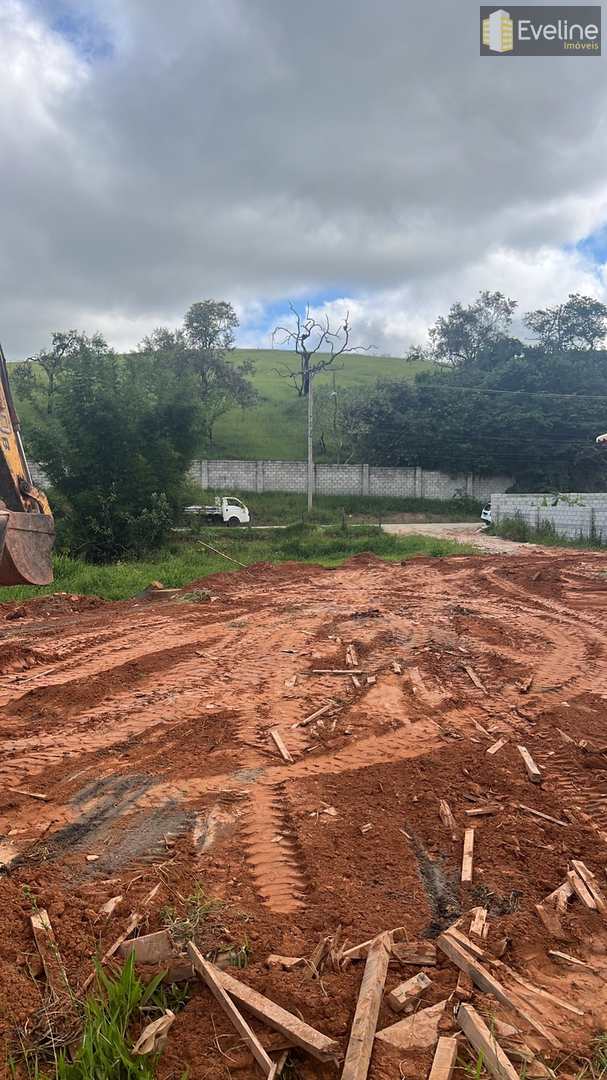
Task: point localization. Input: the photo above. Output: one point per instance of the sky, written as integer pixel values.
(352, 154)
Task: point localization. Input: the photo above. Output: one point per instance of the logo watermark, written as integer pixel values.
(541, 31)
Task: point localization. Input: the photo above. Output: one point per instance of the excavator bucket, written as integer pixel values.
(26, 542)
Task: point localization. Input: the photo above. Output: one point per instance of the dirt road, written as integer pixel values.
(146, 727)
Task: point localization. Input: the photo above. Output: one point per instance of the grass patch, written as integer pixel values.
(184, 562)
(276, 428)
(284, 508)
(516, 528)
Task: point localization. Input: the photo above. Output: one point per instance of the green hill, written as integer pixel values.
(276, 428)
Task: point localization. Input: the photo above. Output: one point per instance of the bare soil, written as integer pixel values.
(146, 725)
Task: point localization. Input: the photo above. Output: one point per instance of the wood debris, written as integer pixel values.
(334, 671)
(445, 1057)
(447, 818)
(149, 948)
(496, 746)
(422, 953)
(541, 814)
(110, 906)
(533, 772)
(296, 1030)
(30, 794)
(278, 741)
(154, 1035)
(488, 984)
(362, 1032)
(483, 1041)
(467, 857)
(52, 963)
(591, 884)
(351, 657)
(471, 673)
(314, 716)
(415, 1032)
(285, 963)
(581, 890)
(566, 959)
(210, 974)
(408, 992)
(484, 811)
(478, 926)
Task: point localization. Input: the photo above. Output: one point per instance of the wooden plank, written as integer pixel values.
(478, 926)
(334, 671)
(422, 953)
(314, 716)
(591, 884)
(364, 1024)
(446, 816)
(300, 1033)
(537, 990)
(444, 1058)
(49, 953)
(484, 811)
(556, 955)
(486, 982)
(465, 942)
(407, 992)
(207, 973)
(471, 673)
(415, 1032)
(497, 746)
(467, 856)
(278, 741)
(581, 890)
(482, 1040)
(541, 814)
(30, 794)
(149, 948)
(533, 772)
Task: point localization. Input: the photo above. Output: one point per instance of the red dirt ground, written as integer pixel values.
(146, 726)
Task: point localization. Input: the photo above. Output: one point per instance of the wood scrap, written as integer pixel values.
(464, 987)
(279, 743)
(541, 814)
(222, 553)
(110, 906)
(351, 657)
(422, 953)
(132, 924)
(525, 687)
(465, 942)
(362, 1032)
(415, 1032)
(154, 1035)
(486, 982)
(149, 948)
(591, 884)
(445, 1057)
(478, 926)
(52, 963)
(356, 683)
(533, 772)
(333, 671)
(566, 959)
(314, 716)
(496, 746)
(408, 992)
(581, 890)
(299, 1033)
(447, 818)
(537, 990)
(482, 1040)
(467, 857)
(30, 794)
(484, 811)
(209, 974)
(471, 673)
(285, 963)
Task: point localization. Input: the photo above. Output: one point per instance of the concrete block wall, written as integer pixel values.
(572, 515)
(343, 479)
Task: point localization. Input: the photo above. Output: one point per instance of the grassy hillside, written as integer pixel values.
(276, 428)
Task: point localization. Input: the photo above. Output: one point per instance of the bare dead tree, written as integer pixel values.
(316, 346)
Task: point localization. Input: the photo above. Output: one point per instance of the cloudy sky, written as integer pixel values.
(344, 152)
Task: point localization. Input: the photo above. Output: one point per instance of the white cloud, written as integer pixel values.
(256, 150)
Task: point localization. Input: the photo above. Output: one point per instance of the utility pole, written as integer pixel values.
(310, 441)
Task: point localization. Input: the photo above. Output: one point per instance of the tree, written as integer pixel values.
(117, 445)
(579, 323)
(202, 347)
(334, 407)
(50, 363)
(316, 346)
(459, 338)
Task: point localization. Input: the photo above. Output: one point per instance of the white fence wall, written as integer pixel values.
(343, 479)
(573, 515)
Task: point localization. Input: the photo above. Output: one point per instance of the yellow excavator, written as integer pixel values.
(27, 529)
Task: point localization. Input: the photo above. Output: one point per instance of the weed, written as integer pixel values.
(198, 907)
(516, 528)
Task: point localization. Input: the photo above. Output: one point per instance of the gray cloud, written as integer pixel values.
(259, 149)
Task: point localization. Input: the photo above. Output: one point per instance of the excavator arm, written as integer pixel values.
(27, 529)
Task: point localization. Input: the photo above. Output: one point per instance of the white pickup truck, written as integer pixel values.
(227, 510)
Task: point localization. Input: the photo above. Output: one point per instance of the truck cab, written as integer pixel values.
(226, 509)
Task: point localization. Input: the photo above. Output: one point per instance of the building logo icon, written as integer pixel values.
(498, 31)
